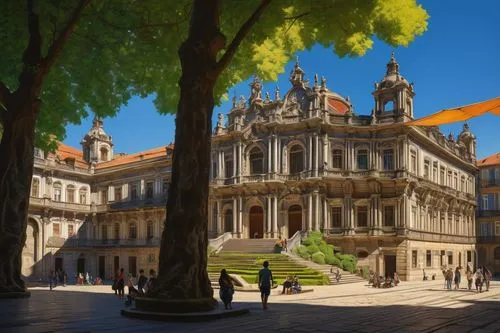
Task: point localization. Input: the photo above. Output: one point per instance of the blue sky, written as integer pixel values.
(456, 62)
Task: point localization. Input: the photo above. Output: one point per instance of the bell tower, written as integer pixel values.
(97, 145)
(393, 95)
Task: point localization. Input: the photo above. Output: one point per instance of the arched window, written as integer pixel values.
(388, 159)
(256, 161)
(35, 187)
(362, 254)
(296, 159)
(132, 231)
(83, 195)
(149, 230)
(362, 159)
(70, 194)
(389, 106)
(117, 231)
(57, 191)
(104, 154)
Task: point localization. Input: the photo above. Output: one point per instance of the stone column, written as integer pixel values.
(275, 216)
(310, 152)
(325, 151)
(235, 216)
(348, 215)
(219, 165)
(275, 154)
(325, 215)
(317, 223)
(316, 155)
(269, 154)
(269, 216)
(235, 160)
(219, 217)
(309, 212)
(279, 156)
(223, 165)
(240, 218)
(240, 159)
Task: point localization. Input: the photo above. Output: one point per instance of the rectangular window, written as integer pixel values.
(413, 162)
(388, 159)
(149, 231)
(228, 168)
(83, 196)
(414, 222)
(104, 196)
(71, 195)
(118, 193)
(484, 205)
(336, 217)
(362, 159)
(149, 190)
(414, 259)
(117, 231)
(362, 216)
(56, 229)
(497, 228)
(389, 216)
(449, 179)
(435, 172)
(165, 187)
(104, 232)
(450, 258)
(71, 230)
(133, 191)
(428, 258)
(426, 169)
(455, 181)
(469, 257)
(337, 159)
(441, 175)
(462, 184)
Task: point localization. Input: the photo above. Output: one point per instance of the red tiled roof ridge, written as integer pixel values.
(493, 159)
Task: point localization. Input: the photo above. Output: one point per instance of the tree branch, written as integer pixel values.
(58, 45)
(240, 35)
(4, 96)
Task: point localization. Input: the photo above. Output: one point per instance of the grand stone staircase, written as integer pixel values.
(249, 245)
(347, 277)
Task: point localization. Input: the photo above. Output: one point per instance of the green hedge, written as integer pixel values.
(316, 249)
(318, 258)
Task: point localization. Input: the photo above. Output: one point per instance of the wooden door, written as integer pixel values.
(256, 222)
(294, 220)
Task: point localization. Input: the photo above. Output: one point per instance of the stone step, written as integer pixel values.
(249, 245)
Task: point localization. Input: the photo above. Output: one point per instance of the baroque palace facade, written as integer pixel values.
(400, 198)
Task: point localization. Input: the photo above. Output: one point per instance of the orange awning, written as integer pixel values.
(461, 113)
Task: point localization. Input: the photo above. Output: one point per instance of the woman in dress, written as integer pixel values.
(226, 289)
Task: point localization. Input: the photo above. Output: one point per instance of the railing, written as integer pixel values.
(488, 239)
(437, 237)
(68, 206)
(488, 213)
(296, 240)
(138, 203)
(216, 243)
(77, 243)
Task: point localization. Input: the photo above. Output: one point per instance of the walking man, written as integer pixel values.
(265, 283)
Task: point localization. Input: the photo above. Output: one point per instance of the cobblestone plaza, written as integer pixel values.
(410, 307)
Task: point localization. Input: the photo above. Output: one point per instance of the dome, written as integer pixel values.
(466, 134)
(336, 103)
(392, 77)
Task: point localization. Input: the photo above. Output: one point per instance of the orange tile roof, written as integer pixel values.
(136, 157)
(65, 151)
(490, 160)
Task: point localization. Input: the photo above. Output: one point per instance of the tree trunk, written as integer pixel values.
(16, 170)
(183, 276)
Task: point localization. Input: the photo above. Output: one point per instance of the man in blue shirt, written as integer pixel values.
(265, 283)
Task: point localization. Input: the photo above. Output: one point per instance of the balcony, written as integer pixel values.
(488, 213)
(488, 239)
(138, 203)
(111, 243)
(66, 206)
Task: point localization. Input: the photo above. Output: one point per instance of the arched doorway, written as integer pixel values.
(228, 221)
(294, 220)
(256, 222)
(30, 255)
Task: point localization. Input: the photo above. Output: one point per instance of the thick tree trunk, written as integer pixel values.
(183, 273)
(16, 170)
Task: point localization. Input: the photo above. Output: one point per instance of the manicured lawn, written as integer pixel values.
(247, 265)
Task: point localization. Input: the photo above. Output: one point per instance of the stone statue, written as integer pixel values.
(220, 122)
(256, 90)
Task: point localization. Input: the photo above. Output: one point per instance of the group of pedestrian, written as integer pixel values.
(481, 277)
(227, 286)
(143, 285)
(57, 277)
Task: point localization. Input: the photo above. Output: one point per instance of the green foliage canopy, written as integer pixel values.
(125, 48)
